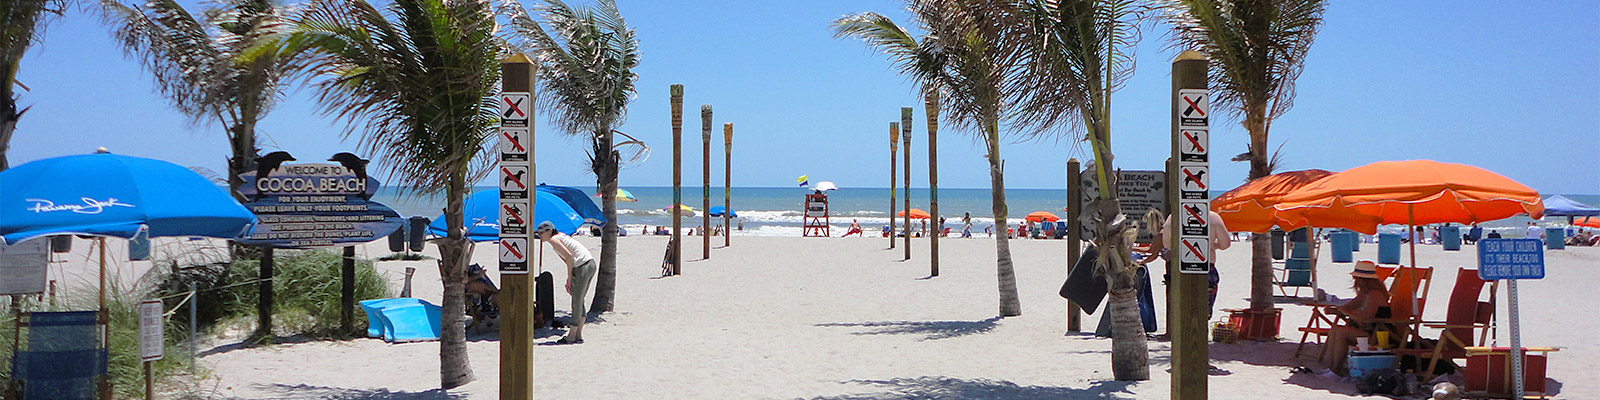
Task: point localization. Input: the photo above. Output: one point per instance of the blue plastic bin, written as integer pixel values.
(402, 319)
(1555, 238)
(1451, 236)
(1341, 244)
(1388, 248)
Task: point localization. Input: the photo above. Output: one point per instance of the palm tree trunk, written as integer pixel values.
(454, 253)
(605, 287)
(1010, 305)
(1130, 355)
(1261, 279)
(8, 125)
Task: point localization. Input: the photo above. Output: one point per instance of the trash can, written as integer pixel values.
(1277, 243)
(419, 226)
(397, 240)
(1555, 238)
(1388, 248)
(1451, 236)
(1356, 244)
(1342, 242)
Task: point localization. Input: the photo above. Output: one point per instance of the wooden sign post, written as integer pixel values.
(516, 292)
(894, 152)
(727, 183)
(905, 136)
(677, 178)
(1191, 246)
(705, 190)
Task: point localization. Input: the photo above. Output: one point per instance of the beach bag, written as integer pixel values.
(1147, 303)
(544, 307)
(1082, 286)
(1383, 381)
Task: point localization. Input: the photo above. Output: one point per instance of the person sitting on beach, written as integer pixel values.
(1474, 234)
(1583, 238)
(855, 229)
(580, 271)
(887, 229)
(1494, 234)
(1371, 302)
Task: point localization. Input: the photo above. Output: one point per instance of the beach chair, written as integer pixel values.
(1405, 285)
(1468, 322)
(1296, 272)
(1061, 229)
(63, 357)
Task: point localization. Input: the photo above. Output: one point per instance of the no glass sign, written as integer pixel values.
(1194, 107)
(514, 109)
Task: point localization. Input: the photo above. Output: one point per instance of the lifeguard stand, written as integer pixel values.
(816, 218)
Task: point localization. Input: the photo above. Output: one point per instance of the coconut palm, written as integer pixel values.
(197, 64)
(1076, 55)
(415, 81)
(22, 24)
(1257, 49)
(586, 60)
(967, 55)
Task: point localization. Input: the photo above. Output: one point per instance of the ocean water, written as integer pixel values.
(768, 211)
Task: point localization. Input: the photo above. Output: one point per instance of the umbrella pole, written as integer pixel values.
(1411, 229)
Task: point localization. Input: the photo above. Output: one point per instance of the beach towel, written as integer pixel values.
(1082, 286)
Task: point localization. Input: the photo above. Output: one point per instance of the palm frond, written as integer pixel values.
(586, 58)
(1257, 48)
(174, 48)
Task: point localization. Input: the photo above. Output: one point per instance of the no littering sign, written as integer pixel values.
(1193, 145)
(514, 144)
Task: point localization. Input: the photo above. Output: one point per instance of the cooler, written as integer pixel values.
(1362, 362)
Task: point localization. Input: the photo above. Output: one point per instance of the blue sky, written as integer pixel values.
(1513, 89)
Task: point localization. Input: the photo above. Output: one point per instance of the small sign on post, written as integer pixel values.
(1512, 259)
(151, 333)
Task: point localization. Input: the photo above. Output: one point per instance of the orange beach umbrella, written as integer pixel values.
(1592, 222)
(1415, 192)
(1248, 208)
(1042, 216)
(916, 213)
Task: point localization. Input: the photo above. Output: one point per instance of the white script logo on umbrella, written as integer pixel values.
(89, 206)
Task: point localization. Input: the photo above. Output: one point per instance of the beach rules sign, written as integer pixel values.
(1194, 191)
(516, 182)
(314, 204)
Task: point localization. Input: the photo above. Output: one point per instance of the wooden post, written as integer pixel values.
(905, 137)
(894, 154)
(264, 296)
(347, 291)
(149, 382)
(677, 179)
(930, 106)
(1190, 356)
(727, 183)
(1074, 234)
(705, 191)
(517, 289)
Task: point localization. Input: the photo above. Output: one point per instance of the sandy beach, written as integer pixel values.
(844, 318)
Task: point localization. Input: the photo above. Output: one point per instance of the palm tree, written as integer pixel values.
(1257, 49)
(967, 54)
(586, 64)
(23, 25)
(198, 66)
(419, 92)
(1076, 54)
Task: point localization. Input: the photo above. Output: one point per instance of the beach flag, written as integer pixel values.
(804, 180)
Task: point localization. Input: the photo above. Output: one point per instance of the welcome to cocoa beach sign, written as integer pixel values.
(314, 204)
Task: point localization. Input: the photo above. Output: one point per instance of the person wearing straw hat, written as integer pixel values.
(1371, 302)
(580, 271)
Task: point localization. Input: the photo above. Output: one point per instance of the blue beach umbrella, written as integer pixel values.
(483, 215)
(579, 201)
(1561, 206)
(718, 210)
(114, 195)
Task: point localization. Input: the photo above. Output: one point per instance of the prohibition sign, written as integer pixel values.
(1194, 144)
(1193, 256)
(514, 144)
(1194, 183)
(512, 221)
(513, 182)
(1194, 218)
(514, 109)
(1194, 107)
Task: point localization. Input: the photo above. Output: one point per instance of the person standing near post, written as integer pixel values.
(966, 225)
(580, 271)
(1218, 231)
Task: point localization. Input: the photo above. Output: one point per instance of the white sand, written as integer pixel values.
(844, 318)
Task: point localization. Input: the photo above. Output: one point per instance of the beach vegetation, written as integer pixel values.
(586, 57)
(416, 81)
(309, 304)
(1079, 52)
(1257, 49)
(197, 65)
(22, 23)
(966, 53)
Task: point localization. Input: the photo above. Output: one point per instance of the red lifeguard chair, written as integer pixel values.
(816, 216)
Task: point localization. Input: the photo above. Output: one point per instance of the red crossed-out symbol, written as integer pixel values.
(1194, 250)
(514, 213)
(1195, 212)
(516, 107)
(513, 178)
(1193, 107)
(1194, 139)
(515, 143)
(1193, 177)
(512, 247)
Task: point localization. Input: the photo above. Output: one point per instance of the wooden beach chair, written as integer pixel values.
(1405, 284)
(1468, 322)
